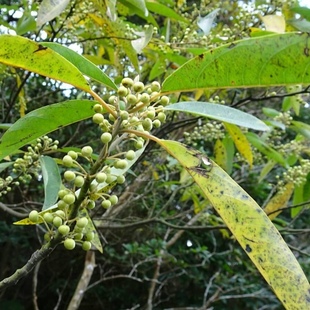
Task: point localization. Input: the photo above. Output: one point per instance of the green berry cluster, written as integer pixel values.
(205, 132)
(70, 231)
(297, 174)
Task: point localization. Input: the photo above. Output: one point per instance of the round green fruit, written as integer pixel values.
(64, 229)
(69, 244)
(79, 181)
(57, 221)
(60, 213)
(97, 108)
(69, 199)
(122, 91)
(67, 161)
(86, 246)
(89, 236)
(101, 177)
(138, 87)
(106, 137)
(69, 175)
(87, 151)
(106, 204)
(48, 217)
(34, 216)
(121, 164)
(82, 222)
(98, 118)
(73, 155)
(130, 155)
(113, 199)
(127, 82)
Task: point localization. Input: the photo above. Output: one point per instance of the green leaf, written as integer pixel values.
(164, 10)
(138, 5)
(302, 128)
(42, 121)
(25, 24)
(50, 9)
(220, 113)
(5, 165)
(266, 149)
(29, 55)
(82, 63)
(250, 225)
(303, 11)
(269, 59)
(52, 181)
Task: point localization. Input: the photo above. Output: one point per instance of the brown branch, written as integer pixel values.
(84, 281)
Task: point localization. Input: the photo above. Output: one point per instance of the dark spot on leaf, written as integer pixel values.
(40, 48)
(248, 248)
(271, 75)
(201, 56)
(232, 45)
(306, 51)
(222, 192)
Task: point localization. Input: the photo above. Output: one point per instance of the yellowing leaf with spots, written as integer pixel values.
(23, 53)
(220, 154)
(279, 201)
(241, 142)
(249, 224)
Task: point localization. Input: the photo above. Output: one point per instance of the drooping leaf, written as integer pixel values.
(250, 225)
(5, 165)
(29, 55)
(220, 113)
(302, 128)
(51, 179)
(227, 66)
(83, 64)
(279, 201)
(50, 9)
(241, 142)
(42, 121)
(266, 149)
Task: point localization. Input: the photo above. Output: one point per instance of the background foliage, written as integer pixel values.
(151, 257)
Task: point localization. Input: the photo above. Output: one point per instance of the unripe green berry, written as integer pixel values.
(91, 204)
(110, 179)
(120, 164)
(113, 199)
(48, 217)
(57, 221)
(69, 244)
(147, 124)
(90, 236)
(106, 137)
(101, 177)
(82, 222)
(138, 87)
(164, 100)
(145, 98)
(106, 204)
(127, 82)
(151, 114)
(139, 144)
(62, 193)
(69, 199)
(156, 123)
(87, 151)
(98, 118)
(67, 161)
(124, 115)
(64, 229)
(34, 216)
(97, 108)
(47, 237)
(161, 116)
(62, 205)
(60, 213)
(86, 246)
(78, 236)
(69, 175)
(79, 181)
(120, 179)
(155, 86)
(122, 91)
(73, 155)
(131, 99)
(130, 155)
(112, 99)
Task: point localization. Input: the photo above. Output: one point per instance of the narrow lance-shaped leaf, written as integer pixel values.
(51, 179)
(83, 64)
(29, 55)
(42, 121)
(277, 59)
(250, 225)
(220, 113)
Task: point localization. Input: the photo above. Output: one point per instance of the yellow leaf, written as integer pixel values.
(220, 154)
(241, 142)
(249, 224)
(279, 201)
